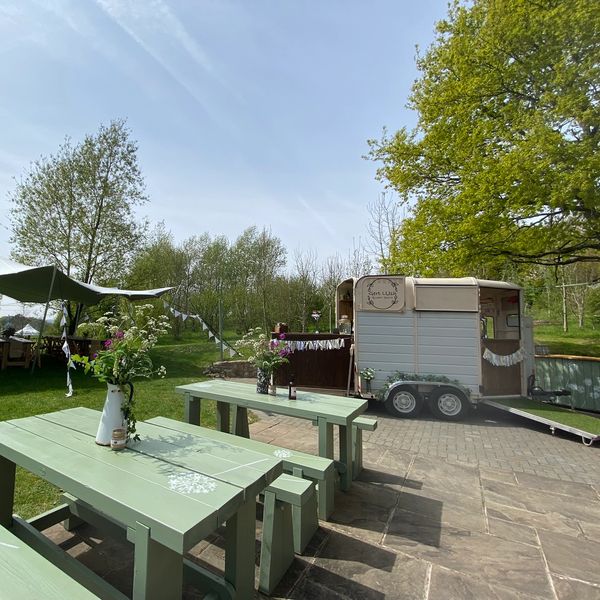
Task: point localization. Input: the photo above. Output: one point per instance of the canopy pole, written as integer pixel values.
(39, 342)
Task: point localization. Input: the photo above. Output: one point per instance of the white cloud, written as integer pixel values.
(158, 31)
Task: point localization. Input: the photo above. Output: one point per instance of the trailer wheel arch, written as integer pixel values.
(449, 403)
(404, 401)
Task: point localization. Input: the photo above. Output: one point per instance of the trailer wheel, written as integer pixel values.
(404, 401)
(448, 403)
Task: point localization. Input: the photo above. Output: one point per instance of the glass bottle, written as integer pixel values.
(292, 389)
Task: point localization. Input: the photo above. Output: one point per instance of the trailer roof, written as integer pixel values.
(485, 283)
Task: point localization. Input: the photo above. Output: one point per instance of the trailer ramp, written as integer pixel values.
(585, 426)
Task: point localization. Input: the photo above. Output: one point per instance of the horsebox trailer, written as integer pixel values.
(447, 342)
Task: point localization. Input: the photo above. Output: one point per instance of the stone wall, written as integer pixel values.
(232, 368)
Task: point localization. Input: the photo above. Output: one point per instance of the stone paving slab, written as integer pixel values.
(491, 508)
(568, 589)
(446, 584)
(571, 557)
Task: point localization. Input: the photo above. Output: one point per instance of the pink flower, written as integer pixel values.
(108, 343)
(282, 336)
(119, 335)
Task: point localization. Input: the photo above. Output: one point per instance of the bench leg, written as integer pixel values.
(240, 544)
(346, 456)
(240, 421)
(277, 548)
(305, 524)
(158, 570)
(7, 496)
(223, 417)
(357, 455)
(326, 497)
(304, 518)
(325, 438)
(192, 410)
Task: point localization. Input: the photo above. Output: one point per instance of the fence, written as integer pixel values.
(579, 375)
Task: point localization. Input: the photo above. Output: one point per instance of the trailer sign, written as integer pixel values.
(384, 293)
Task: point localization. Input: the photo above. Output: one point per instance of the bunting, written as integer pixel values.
(211, 334)
(67, 350)
(302, 345)
(507, 360)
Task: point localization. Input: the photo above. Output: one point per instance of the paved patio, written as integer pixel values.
(493, 507)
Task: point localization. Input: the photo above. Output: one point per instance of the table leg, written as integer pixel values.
(192, 409)
(7, 491)
(240, 536)
(240, 421)
(158, 570)
(223, 417)
(325, 437)
(346, 456)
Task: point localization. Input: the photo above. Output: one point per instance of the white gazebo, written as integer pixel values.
(28, 331)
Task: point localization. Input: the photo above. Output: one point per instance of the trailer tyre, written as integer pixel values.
(449, 404)
(404, 401)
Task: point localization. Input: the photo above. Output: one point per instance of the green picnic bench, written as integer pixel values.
(307, 466)
(26, 574)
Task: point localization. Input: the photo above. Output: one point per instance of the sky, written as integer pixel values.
(252, 112)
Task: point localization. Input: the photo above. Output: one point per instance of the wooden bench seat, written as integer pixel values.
(289, 522)
(26, 574)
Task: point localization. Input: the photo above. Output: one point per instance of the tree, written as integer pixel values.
(332, 273)
(256, 260)
(75, 209)
(386, 216)
(502, 165)
(305, 279)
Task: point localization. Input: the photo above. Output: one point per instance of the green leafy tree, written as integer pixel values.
(75, 209)
(503, 163)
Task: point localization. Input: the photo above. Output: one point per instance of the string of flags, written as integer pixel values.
(211, 334)
(507, 360)
(300, 346)
(66, 349)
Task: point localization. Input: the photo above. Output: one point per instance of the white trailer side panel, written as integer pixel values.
(384, 342)
(439, 343)
(448, 343)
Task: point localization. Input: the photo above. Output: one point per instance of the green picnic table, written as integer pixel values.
(169, 491)
(323, 409)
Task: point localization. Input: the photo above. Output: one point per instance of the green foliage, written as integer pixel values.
(126, 353)
(263, 352)
(75, 208)
(502, 166)
(401, 376)
(575, 342)
(367, 374)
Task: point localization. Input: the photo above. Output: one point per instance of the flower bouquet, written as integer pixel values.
(368, 375)
(125, 356)
(266, 354)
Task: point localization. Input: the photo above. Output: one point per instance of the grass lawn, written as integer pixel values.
(23, 394)
(577, 342)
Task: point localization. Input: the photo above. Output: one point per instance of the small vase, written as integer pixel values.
(262, 381)
(112, 414)
(368, 382)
